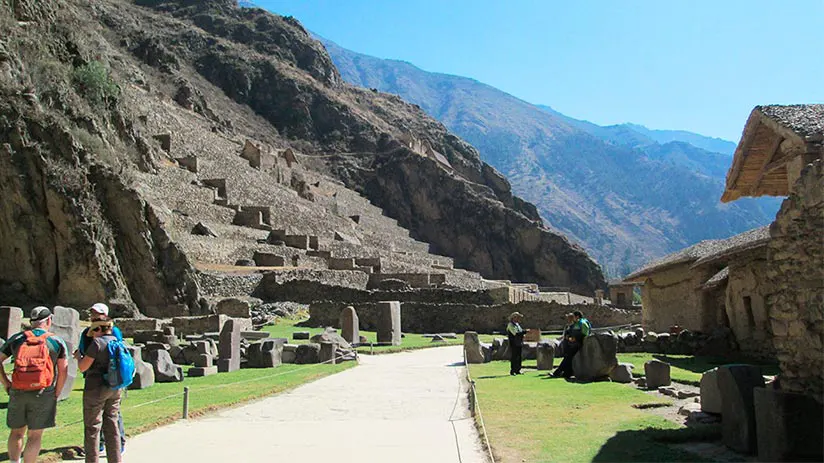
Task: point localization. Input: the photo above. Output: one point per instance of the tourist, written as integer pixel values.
(515, 333)
(570, 322)
(35, 384)
(99, 312)
(574, 338)
(101, 403)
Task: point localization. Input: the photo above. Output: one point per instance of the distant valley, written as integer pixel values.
(626, 193)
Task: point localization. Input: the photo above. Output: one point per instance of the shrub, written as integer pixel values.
(93, 81)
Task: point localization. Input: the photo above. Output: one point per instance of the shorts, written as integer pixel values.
(33, 409)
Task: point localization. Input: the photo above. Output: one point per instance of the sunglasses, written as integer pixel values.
(97, 329)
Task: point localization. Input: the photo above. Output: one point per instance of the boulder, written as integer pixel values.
(529, 351)
(234, 307)
(545, 356)
(657, 373)
(737, 384)
(327, 352)
(202, 371)
(203, 230)
(500, 349)
(267, 353)
(640, 333)
(307, 353)
(622, 373)
(597, 357)
(144, 372)
(472, 348)
(789, 426)
(438, 338)
(164, 369)
(330, 335)
(710, 394)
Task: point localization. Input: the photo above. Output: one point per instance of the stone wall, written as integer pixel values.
(745, 304)
(796, 271)
(428, 317)
(673, 297)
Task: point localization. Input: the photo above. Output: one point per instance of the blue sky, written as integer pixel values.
(695, 65)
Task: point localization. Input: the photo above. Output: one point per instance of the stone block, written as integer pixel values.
(234, 307)
(254, 335)
(199, 324)
(657, 374)
(144, 372)
(296, 241)
(500, 349)
(710, 393)
(341, 263)
(389, 322)
(349, 325)
(307, 353)
(532, 335)
(268, 259)
(202, 371)
(789, 426)
(189, 163)
(265, 354)
(288, 355)
(622, 373)
(146, 337)
(327, 352)
(165, 370)
(165, 140)
(529, 351)
(597, 357)
(546, 355)
(66, 325)
(300, 335)
(229, 347)
(472, 348)
(346, 238)
(203, 360)
(11, 319)
(737, 383)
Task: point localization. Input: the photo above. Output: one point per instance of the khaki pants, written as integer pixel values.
(100, 409)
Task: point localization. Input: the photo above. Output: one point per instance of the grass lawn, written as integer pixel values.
(286, 326)
(687, 368)
(534, 418)
(205, 394)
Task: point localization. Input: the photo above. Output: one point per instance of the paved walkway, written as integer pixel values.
(407, 407)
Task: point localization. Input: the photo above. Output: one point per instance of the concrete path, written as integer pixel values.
(407, 407)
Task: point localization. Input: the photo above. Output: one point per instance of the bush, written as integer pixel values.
(95, 84)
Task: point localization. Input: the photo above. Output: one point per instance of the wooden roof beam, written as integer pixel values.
(772, 151)
(742, 150)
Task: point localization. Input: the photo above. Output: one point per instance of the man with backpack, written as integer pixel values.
(99, 312)
(574, 335)
(109, 368)
(40, 370)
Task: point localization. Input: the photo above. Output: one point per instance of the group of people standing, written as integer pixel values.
(40, 372)
(576, 330)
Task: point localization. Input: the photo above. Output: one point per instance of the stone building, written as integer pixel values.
(712, 284)
(621, 294)
(780, 155)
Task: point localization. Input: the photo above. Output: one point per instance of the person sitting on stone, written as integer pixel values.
(515, 333)
(99, 312)
(570, 321)
(574, 338)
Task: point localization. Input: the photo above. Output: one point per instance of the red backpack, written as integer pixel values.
(33, 367)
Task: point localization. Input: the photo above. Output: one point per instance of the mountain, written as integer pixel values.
(620, 192)
(124, 124)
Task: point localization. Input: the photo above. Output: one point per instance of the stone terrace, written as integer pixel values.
(210, 183)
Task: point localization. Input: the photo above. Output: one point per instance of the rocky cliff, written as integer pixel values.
(77, 227)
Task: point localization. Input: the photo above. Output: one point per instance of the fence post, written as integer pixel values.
(186, 402)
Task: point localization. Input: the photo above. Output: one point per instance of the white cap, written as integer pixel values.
(100, 308)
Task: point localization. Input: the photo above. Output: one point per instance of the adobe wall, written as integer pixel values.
(745, 304)
(796, 271)
(427, 317)
(673, 297)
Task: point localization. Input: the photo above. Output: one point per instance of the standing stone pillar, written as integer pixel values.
(389, 322)
(66, 325)
(11, 319)
(546, 355)
(349, 325)
(327, 352)
(143, 372)
(737, 383)
(229, 347)
(472, 348)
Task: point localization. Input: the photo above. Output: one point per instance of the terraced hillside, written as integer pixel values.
(146, 143)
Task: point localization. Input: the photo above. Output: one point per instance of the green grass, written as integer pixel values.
(687, 368)
(539, 419)
(205, 394)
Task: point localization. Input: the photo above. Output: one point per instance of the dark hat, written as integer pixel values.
(39, 313)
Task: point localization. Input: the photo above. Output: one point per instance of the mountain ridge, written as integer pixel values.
(625, 199)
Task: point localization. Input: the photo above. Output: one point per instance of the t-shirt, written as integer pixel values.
(99, 350)
(57, 349)
(86, 338)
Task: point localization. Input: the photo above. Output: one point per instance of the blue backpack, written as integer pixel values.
(121, 365)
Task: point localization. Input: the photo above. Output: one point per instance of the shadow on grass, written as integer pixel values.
(493, 376)
(652, 444)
